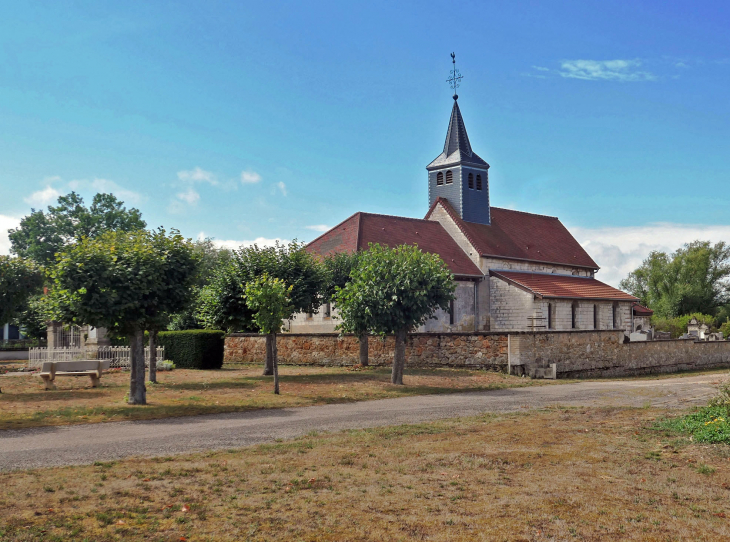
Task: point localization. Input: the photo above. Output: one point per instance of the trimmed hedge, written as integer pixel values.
(194, 348)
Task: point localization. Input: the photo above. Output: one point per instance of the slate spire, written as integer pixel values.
(456, 137)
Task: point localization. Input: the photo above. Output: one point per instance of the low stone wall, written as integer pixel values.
(577, 354)
(13, 355)
(603, 353)
(473, 350)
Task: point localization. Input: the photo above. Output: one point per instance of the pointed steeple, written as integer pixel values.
(456, 137)
(457, 148)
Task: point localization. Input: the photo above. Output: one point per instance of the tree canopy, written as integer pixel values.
(42, 234)
(19, 280)
(394, 290)
(694, 279)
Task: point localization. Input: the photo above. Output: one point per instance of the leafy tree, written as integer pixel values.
(41, 235)
(677, 326)
(394, 291)
(269, 299)
(338, 268)
(692, 279)
(19, 280)
(34, 319)
(125, 282)
(222, 304)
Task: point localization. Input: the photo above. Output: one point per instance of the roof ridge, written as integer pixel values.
(546, 273)
(394, 216)
(524, 212)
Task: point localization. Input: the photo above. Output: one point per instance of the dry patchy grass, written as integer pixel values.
(545, 475)
(23, 402)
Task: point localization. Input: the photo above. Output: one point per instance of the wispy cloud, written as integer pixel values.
(197, 175)
(6, 223)
(190, 196)
(41, 198)
(232, 245)
(605, 70)
(318, 227)
(282, 187)
(108, 187)
(620, 250)
(250, 177)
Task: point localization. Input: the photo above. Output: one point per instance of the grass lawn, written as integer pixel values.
(594, 474)
(23, 402)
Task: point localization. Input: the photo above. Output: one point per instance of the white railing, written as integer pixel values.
(117, 355)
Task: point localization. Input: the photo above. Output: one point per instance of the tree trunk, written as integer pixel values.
(269, 365)
(399, 357)
(275, 363)
(364, 349)
(153, 356)
(137, 390)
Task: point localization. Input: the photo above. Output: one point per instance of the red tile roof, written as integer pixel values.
(521, 236)
(360, 229)
(640, 310)
(562, 286)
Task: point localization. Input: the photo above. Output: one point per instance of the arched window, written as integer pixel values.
(550, 316)
(479, 182)
(595, 316)
(573, 316)
(440, 177)
(471, 180)
(449, 177)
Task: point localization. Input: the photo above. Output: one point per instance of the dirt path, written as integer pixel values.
(84, 444)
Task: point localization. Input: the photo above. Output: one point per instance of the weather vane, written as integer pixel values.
(455, 78)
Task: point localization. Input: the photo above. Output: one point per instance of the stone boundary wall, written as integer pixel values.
(470, 350)
(577, 354)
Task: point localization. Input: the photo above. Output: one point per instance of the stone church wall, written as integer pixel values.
(577, 354)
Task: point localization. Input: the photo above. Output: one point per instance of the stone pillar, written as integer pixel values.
(96, 338)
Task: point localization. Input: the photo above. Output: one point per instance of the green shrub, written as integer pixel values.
(678, 326)
(194, 348)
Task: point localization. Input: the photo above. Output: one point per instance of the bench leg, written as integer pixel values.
(95, 381)
(48, 383)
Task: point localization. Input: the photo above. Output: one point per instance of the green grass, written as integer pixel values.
(707, 424)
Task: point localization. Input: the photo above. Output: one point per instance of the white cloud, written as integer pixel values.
(190, 196)
(250, 177)
(318, 227)
(604, 70)
(108, 187)
(197, 175)
(6, 223)
(618, 251)
(41, 198)
(282, 187)
(232, 245)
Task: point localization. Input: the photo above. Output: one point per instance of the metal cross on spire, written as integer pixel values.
(455, 77)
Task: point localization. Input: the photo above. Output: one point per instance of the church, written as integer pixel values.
(514, 271)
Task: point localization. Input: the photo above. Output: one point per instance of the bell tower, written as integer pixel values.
(458, 174)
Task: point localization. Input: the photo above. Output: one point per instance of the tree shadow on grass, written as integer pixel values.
(43, 396)
(216, 385)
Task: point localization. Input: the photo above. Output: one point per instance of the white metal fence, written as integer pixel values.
(117, 355)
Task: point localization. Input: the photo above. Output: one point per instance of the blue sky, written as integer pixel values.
(265, 120)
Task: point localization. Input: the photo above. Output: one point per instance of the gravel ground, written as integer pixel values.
(84, 444)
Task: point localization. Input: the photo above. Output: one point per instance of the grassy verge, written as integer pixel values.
(183, 392)
(708, 424)
(595, 474)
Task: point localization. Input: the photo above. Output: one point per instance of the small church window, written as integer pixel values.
(440, 177)
(615, 322)
(550, 316)
(451, 313)
(471, 181)
(573, 319)
(479, 182)
(449, 177)
(595, 316)
(327, 310)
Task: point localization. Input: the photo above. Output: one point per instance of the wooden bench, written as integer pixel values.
(94, 368)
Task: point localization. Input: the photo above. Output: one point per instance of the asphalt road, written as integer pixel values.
(84, 444)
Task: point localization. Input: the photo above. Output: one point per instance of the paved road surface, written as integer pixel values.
(84, 444)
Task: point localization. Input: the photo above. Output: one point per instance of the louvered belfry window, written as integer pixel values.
(471, 180)
(449, 177)
(440, 178)
(479, 182)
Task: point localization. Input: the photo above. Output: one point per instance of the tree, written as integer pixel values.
(124, 281)
(41, 235)
(692, 279)
(270, 300)
(338, 268)
(19, 280)
(394, 291)
(34, 319)
(222, 304)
